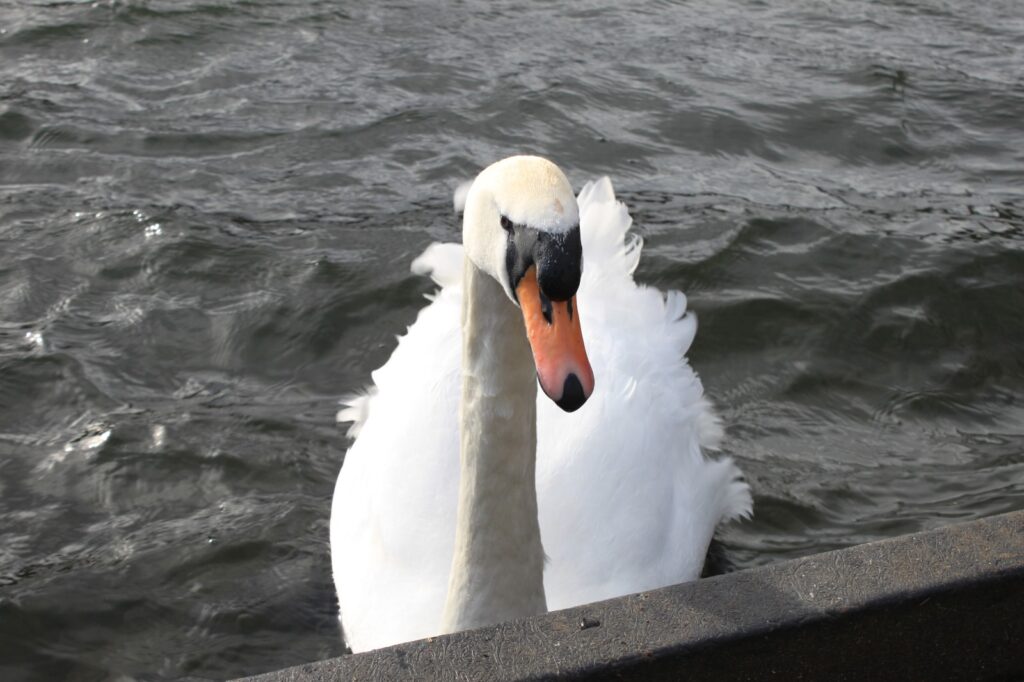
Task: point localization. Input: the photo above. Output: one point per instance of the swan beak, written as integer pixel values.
(553, 328)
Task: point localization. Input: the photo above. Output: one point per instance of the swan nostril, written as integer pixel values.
(572, 394)
(545, 305)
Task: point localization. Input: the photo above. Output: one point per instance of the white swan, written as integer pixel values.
(627, 501)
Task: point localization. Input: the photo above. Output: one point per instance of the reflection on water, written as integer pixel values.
(208, 213)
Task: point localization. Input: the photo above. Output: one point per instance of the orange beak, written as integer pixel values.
(553, 328)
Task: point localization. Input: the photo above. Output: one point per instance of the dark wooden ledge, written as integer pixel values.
(941, 605)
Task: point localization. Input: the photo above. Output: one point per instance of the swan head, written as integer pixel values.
(521, 226)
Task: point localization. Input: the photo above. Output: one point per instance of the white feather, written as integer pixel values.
(627, 499)
(356, 409)
(442, 263)
(459, 197)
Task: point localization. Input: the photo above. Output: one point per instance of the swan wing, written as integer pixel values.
(393, 513)
(628, 500)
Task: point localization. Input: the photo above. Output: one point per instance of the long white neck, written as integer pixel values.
(498, 565)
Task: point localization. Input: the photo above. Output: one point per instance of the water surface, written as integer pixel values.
(207, 211)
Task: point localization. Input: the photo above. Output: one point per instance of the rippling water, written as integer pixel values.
(207, 211)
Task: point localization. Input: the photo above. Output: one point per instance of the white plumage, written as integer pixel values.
(627, 500)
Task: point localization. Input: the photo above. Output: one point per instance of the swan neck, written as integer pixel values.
(497, 567)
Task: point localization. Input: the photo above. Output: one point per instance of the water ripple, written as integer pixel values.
(208, 210)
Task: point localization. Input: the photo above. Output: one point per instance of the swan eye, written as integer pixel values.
(506, 224)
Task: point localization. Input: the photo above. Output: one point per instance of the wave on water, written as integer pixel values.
(208, 210)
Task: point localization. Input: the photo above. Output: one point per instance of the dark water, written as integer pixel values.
(207, 211)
